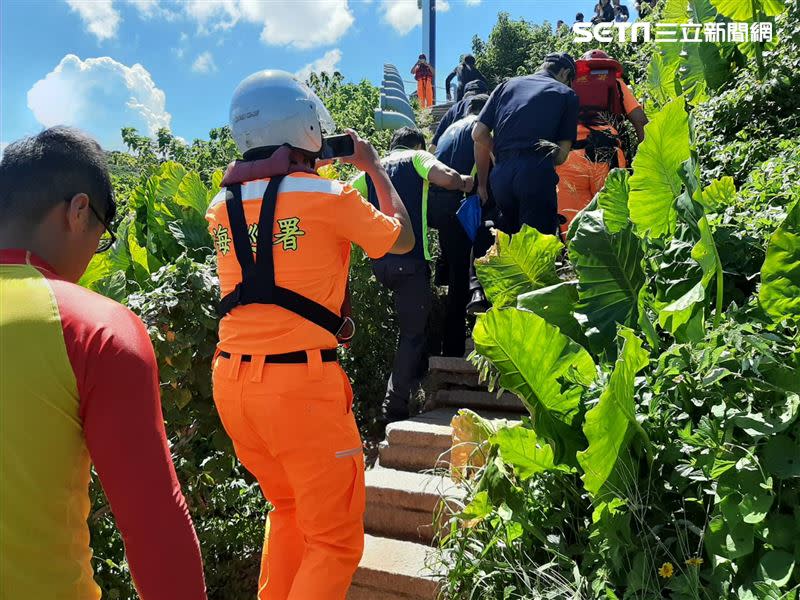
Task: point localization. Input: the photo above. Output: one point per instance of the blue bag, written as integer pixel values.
(469, 214)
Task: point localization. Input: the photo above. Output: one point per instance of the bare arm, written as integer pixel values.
(638, 119)
(366, 159)
(564, 146)
(484, 146)
(448, 178)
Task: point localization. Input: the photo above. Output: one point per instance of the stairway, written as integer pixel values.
(404, 490)
(437, 112)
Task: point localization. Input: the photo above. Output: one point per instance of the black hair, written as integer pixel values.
(41, 171)
(579, 17)
(407, 137)
(553, 63)
(469, 60)
(477, 102)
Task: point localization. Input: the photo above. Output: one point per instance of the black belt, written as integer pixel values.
(288, 358)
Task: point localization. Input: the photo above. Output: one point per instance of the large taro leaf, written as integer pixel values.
(609, 278)
(661, 74)
(522, 449)
(556, 305)
(613, 199)
(780, 275)
(690, 307)
(611, 424)
(518, 264)
(546, 369)
(682, 11)
(749, 10)
(719, 194)
(656, 181)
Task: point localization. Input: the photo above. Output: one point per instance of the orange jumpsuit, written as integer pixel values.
(424, 76)
(292, 424)
(580, 178)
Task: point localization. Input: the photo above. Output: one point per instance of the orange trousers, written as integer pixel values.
(293, 428)
(579, 179)
(425, 92)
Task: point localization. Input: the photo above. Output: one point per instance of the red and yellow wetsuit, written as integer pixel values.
(580, 178)
(79, 386)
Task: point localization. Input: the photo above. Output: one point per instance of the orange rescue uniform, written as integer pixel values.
(291, 424)
(580, 178)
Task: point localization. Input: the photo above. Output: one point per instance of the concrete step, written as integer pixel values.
(451, 364)
(479, 401)
(402, 505)
(420, 443)
(393, 570)
(447, 371)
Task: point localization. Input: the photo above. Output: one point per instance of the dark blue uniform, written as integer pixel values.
(407, 275)
(525, 114)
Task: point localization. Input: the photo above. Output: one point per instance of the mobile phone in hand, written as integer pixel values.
(337, 146)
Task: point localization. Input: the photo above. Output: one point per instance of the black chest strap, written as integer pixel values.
(258, 276)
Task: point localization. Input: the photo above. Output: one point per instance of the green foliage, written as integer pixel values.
(548, 376)
(612, 422)
(681, 450)
(517, 264)
(780, 287)
(656, 181)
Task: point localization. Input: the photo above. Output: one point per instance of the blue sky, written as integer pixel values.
(104, 64)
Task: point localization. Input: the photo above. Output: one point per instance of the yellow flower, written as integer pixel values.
(667, 570)
(695, 562)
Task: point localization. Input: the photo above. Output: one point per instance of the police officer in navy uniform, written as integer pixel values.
(457, 150)
(412, 171)
(528, 125)
(459, 110)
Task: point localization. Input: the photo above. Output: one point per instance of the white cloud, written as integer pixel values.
(327, 63)
(403, 15)
(100, 17)
(473, 2)
(304, 25)
(149, 9)
(100, 96)
(204, 63)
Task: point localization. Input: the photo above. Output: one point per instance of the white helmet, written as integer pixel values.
(272, 108)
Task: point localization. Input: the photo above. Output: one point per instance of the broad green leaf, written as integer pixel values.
(192, 193)
(610, 425)
(99, 267)
(719, 194)
(609, 278)
(682, 11)
(739, 541)
(702, 69)
(656, 182)
(782, 457)
(613, 199)
(749, 10)
(518, 264)
(139, 257)
(776, 567)
(522, 449)
(780, 275)
(661, 74)
(556, 305)
(546, 369)
(479, 508)
(685, 316)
